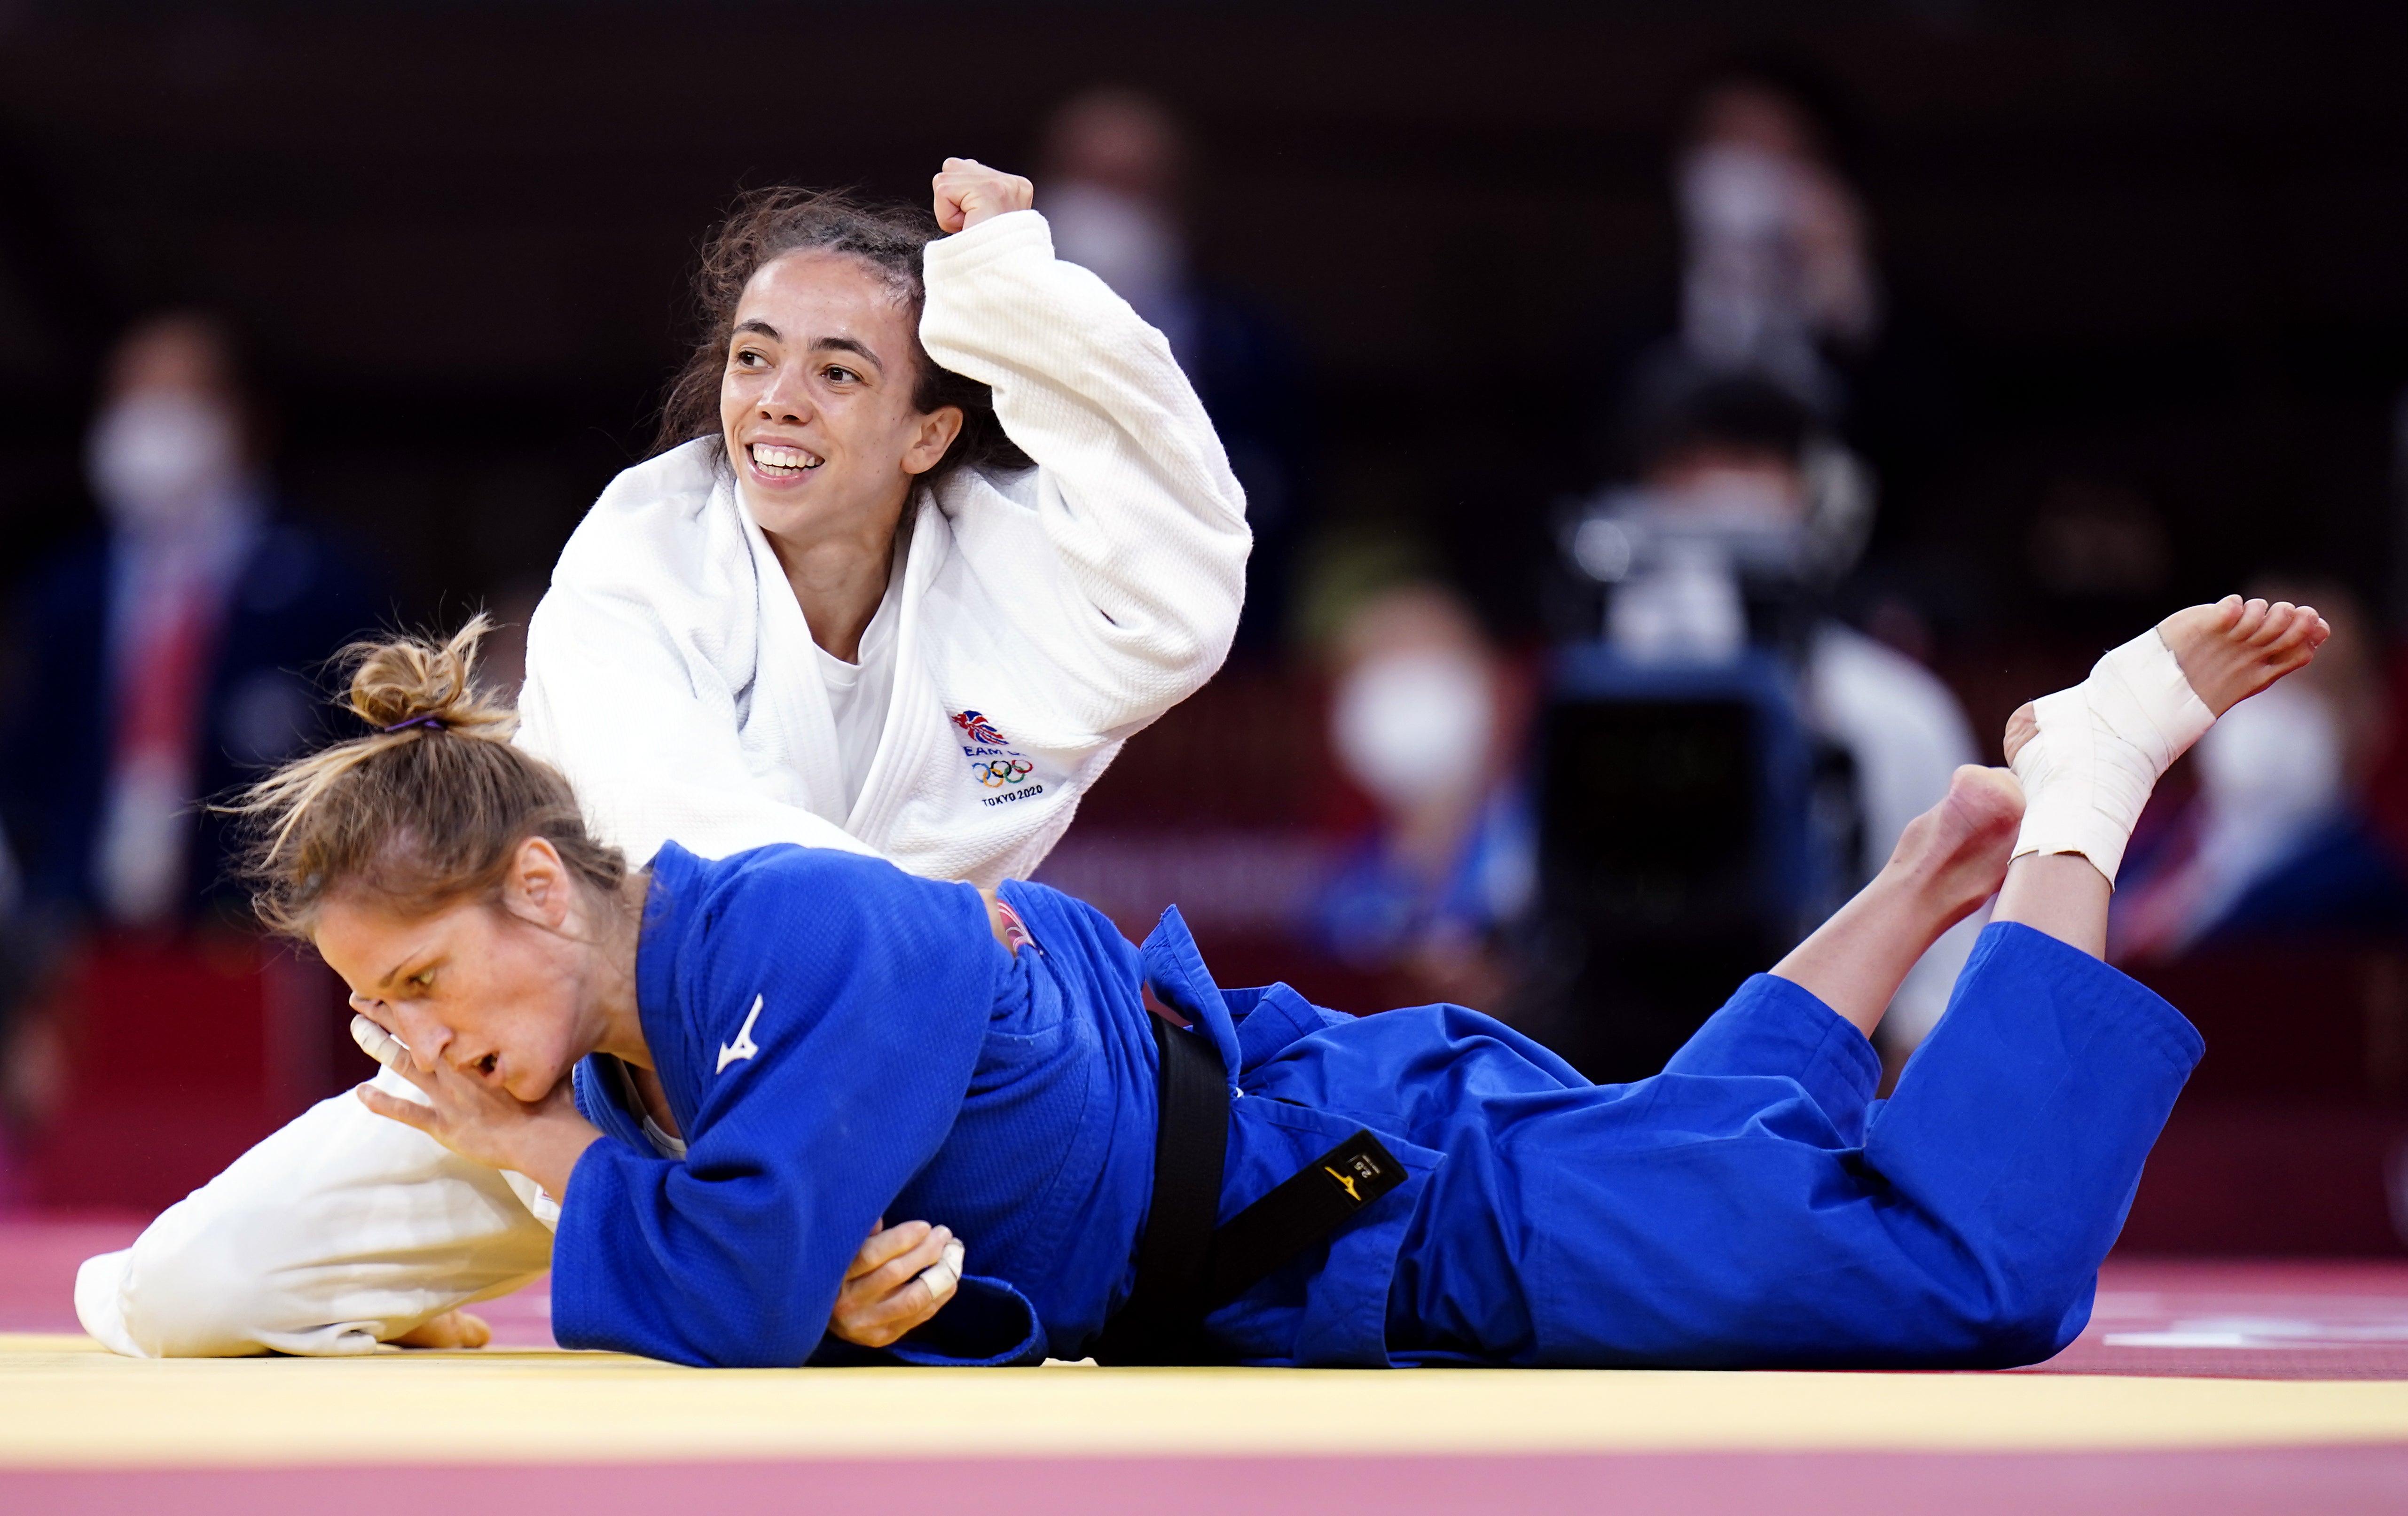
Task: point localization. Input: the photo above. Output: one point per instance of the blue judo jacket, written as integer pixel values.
(841, 1042)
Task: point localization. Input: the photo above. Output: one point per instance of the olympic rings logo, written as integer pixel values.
(998, 772)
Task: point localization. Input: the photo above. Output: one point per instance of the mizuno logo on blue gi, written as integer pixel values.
(743, 1047)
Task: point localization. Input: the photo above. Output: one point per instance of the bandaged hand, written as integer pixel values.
(485, 1123)
(901, 1277)
(969, 192)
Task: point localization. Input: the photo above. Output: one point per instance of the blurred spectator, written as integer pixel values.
(171, 654)
(1745, 513)
(172, 651)
(1777, 280)
(1113, 188)
(2275, 839)
(1427, 719)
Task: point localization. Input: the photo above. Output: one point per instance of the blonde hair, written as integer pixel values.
(424, 812)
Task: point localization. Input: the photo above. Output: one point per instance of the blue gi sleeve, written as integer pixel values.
(989, 1325)
(820, 1014)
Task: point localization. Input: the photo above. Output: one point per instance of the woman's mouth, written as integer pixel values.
(782, 462)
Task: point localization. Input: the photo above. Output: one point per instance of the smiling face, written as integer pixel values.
(504, 992)
(816, 405)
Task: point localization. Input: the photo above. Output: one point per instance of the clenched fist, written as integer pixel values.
(969, 192)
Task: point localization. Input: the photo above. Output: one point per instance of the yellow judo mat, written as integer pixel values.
(64, 1403)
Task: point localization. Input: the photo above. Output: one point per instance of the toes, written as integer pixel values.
(2251, 622)
(2298, 629)
(2276, 627)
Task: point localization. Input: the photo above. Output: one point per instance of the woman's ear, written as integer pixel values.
(538, 887)
(938, 429)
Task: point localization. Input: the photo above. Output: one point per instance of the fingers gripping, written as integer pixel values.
(899, 1277)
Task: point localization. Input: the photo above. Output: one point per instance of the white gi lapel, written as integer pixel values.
(904, 756)
(789, 705)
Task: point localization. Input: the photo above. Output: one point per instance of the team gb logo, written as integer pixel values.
(994, 763)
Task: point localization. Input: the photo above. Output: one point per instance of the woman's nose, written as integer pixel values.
(427, 1037)
(786, 397)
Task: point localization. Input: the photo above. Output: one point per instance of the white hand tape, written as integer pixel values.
(946, 1272)
(377, 1043)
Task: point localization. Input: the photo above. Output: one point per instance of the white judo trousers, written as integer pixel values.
(1046, 615)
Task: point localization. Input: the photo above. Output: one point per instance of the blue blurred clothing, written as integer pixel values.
(292, 597)
(841, 1042)
(1373, 909)
(2338, 879)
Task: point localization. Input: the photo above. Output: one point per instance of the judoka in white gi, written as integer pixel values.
(836, 613)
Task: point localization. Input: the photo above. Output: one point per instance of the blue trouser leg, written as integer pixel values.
(1740, 1209)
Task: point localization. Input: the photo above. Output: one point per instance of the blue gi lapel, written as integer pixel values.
(1176, 973)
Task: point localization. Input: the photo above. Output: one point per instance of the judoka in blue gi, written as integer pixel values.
(728, 1072)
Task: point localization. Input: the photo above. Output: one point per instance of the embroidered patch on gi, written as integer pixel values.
(997, 766)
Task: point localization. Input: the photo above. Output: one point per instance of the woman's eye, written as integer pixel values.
(747, 358)
(424, 981)
(841, 375)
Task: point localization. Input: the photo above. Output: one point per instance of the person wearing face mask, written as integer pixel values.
(938, 523)
(1116, 171)
(2276, 841)
(166, 644)
(1425, 719)
(169, 657)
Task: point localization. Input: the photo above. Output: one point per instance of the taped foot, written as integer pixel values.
(2089, 756)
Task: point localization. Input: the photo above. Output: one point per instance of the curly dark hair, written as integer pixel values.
(764, 225)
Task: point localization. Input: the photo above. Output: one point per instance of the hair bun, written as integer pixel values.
(418, 680)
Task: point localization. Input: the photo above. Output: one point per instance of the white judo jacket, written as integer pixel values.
(1044, 616)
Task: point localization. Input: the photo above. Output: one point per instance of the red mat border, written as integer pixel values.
(2252, 1482)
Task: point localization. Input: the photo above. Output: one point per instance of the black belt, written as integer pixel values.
(1186, 1266)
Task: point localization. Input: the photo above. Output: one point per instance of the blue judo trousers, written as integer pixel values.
(841, 1042)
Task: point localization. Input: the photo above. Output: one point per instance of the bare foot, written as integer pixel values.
(452, 1329)
(1947, 863)
(2228, 651)
(1954, 856)
(2233, 649)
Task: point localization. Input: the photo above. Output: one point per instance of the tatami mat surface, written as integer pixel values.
(2313, 1416)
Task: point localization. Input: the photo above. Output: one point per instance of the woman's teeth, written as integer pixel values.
(776, 462)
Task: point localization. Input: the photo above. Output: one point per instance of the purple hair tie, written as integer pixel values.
(435, 721)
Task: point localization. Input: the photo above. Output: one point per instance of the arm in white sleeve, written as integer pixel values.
(1120, 559)
(339, 1232)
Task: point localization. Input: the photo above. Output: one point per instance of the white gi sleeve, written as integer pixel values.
(339, 1232)
(1120, 561)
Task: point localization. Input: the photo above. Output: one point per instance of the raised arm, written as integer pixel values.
(1120, 559)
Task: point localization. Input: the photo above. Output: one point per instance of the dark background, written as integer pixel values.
(2154, 249)
(2144, 261)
